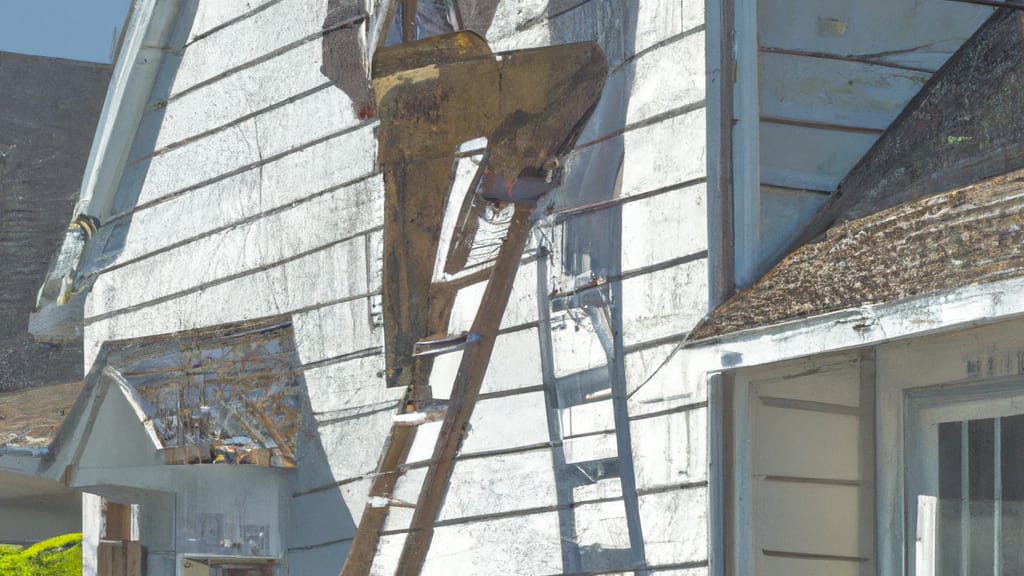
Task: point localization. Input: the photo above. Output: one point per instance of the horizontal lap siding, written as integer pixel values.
(256, 207)
(262, 198)
(813, 501)
(256, 193)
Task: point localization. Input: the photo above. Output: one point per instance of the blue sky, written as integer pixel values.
(75, 29)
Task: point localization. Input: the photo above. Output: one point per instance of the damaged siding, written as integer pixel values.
(253, 191)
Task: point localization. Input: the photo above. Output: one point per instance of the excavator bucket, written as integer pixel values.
(434, 94)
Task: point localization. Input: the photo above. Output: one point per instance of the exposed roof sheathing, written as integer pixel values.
(230, 395)
(964, 236)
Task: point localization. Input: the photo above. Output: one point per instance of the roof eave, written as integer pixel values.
(868, 325)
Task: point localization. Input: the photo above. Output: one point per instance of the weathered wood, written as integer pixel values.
(433, 95)
(961, 237)
(281, 26)
(119, 558)
(465, 392)
(118, 521)
(364, 545)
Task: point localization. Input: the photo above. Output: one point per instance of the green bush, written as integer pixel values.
(58, 556)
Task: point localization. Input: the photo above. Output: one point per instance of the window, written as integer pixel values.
(965, 480)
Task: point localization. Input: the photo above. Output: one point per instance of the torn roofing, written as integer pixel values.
(31, 418)
(231, 394)
(962, 126)
(968, 235)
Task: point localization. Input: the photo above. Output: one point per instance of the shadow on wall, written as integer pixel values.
(590, 248)
(320, 519)
(591, 242)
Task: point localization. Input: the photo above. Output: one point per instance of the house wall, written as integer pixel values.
(803, 474)
(974, 358)
(834, 403)
(198, 509)
(253, 191)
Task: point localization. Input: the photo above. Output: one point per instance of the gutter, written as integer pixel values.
(869, 325)
(60, 302)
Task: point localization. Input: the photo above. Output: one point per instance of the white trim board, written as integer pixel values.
(868, 325)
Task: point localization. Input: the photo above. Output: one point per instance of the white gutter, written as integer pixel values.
(58, 313)
(868, 325)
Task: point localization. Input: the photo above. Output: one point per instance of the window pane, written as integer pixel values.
(982, 465)
(947, 548)
(981, 471)
(1012, 459)
(949, 461)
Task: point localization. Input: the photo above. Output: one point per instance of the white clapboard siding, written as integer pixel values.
(521, 308)
(486, 548)
(785, 213)
(649, 85)
(588, 418)
(493, 428)
(514, 365)
(518, 481)
(664, 227)
(213, 15)
(246, 248)
(251, 194)
(922, 34)
(654, 382)
(843, 92)
(323, 277)
(647, 164)
(243, 93)
(622, 30)
(667, 302)
(353, 446)
(591, 447)
(675, 526)
(349, 388)
(669, 450)
(336, 330)
(811, 470)
(244, 145)
(278, 26)
(811, 158)
(600, 528)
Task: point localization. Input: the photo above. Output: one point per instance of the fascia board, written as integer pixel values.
(869, 325)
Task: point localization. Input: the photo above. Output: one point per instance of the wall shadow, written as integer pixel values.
(592, 248)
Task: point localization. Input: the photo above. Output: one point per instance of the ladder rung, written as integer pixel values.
(434, 346)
